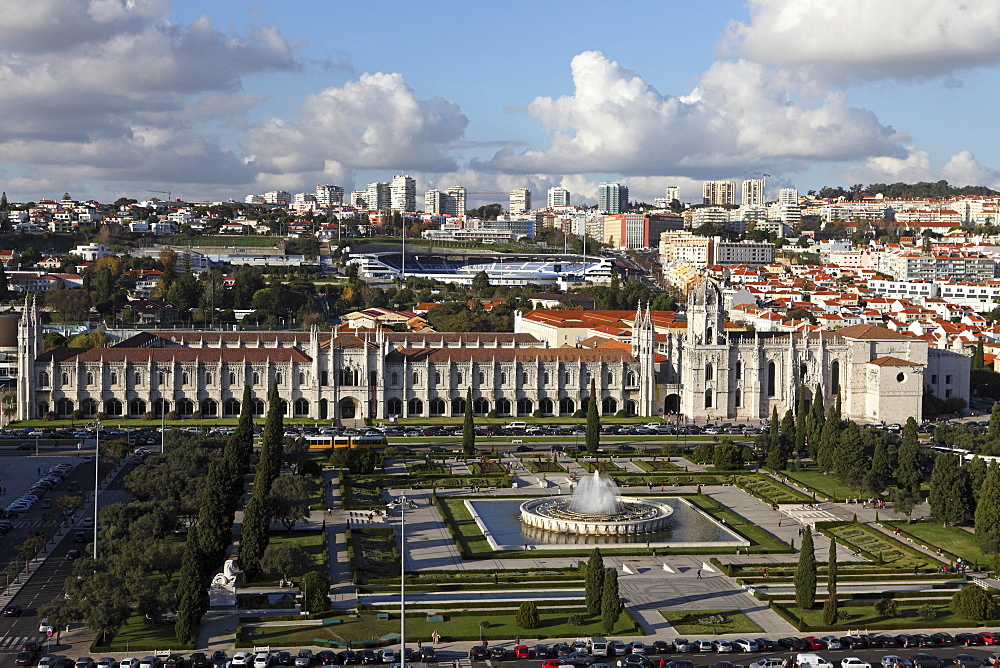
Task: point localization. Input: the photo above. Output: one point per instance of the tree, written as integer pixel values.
(908, 473)
(878, 477)
(728, 457)
(993, 429)
(611, 605)
(269, 464)
(988, 512)
(315, 588)
(849, 456)
(291, 497)
(468, 426)
(60, 614)
(905, 500)
(285, 559)
(4, 284)
(527, 615)
(29, 548)
(192, 590)
(594, 581)
(976, 471)
(973, 603)
(830, 613)
(977, 363)
(593, 422)
(887, 607)
(254, 536)
(950, 492)
(805, 573)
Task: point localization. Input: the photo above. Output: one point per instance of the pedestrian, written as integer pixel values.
(699, 574)
(767, 573)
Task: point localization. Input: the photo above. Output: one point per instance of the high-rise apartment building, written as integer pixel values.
(788, 196)
(329, 195)
(673, 193)
(455, 204)
(403, 193)
(612, 198)
(377, 197)
(434, 202)
(279, 197)
(718, 193)
(520, 200)
(753, 192)
(557, 197)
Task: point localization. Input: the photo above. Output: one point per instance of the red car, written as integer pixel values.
(814, 643)
(522, 652)
(990, 637)
(552, 663)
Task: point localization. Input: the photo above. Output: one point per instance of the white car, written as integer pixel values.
(704, 646)
(767, 663)
(638, 647)
(129, 662)
(745, 645)
(832, 642)
(723, 646)
(241, 660)
(388, 655)
(262, 660)
(854, 662)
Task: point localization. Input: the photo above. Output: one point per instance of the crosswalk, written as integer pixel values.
(34, 523)
(14, 642)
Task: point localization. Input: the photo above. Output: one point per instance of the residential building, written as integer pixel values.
(327, 195)
(612, 198)
(377, 197)
(673, 193)
(278, 198)
(557, 197)
(753, 192)
(520, 200)
(403, 193)
(638, 230)
(721, 193)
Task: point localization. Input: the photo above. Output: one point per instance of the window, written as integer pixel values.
(947, 379)
(324, 378)
(546, 377)
(736, 398)
(138, 379)
(160, 378)
(835, 377)
(302, 378)
(232, 378)
(633, 378)
(437, 378)
(770, 379)
(482, 378)
(459, 377)
(709, 372)
(503, 379)
(256, 378)
(114, 379)
(184, 378)
(569, 378)
(524, 379)
(947, 394)
(739, 370)
(278, 378)
(90, 378)
(416, 378)
(708, 398)
(209, 378)
(65, 378)
(934, 379)
(394, 379)
(611, 378)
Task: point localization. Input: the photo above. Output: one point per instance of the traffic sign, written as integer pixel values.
(48, 631)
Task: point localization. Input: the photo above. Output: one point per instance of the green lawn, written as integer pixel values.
(954, 540)
(310, 541)
(891, 551)
(865, 617)
(136, 635)
(456, 626)
(828, 485)
(700, 622)
(771, 490)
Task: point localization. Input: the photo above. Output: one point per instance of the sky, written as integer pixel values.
(217, 100)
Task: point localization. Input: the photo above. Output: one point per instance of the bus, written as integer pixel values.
(328, 442)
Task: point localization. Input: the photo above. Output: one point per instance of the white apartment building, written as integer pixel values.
(327, 195)
(434, 202)
(557, 197)
(962, 267)
(445, 203)
(403, 193)
(377, 196)
(718, 192)
(303, 198)
(753, 192)
(278, 197)
(788, 196)
(520, 200)
(673, 193)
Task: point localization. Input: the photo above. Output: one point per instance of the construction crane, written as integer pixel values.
(162, 192)
(760, 174)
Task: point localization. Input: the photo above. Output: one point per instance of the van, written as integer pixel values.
(811, 661)
(517, 425)
(599, 646)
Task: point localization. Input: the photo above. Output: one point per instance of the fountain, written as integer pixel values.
(596, 509)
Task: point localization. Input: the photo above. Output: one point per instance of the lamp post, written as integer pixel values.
(401, 500)
(97, 468)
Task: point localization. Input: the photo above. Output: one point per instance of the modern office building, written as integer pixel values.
(403, 193)
(558, 197)
(612, 198)
(720, 193)
(520, 200)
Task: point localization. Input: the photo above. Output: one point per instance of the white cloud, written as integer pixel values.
(741, 116)
(962, 169)
(865, 39)
(376, 121)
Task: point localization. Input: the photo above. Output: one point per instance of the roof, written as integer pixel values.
(205, 355)
(865, 332)
(892, 361)
(523, 355)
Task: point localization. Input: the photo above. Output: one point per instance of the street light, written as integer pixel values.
(401, 500)
(97, 459)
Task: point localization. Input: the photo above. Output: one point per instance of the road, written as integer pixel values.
(50, 574)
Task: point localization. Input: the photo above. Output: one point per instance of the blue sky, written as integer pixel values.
(217, 100)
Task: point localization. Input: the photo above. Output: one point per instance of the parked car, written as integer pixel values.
(499, 653)
(662, 647)
(304, 658)
(969, 639)
(480, 653)
(637, 647)
(969, 661)
(926, 661)
(767, 663)
(745, 645)
(854, 662)
(832, 642)
(722, 646)
(683, 645)
(428, 654)
(766, 644)
(792, 644)
(522, 652)
(326, 657)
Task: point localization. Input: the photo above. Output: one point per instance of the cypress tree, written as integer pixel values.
(269, 464)
(818, 412)
(908, 473)
(611, 606)
(978, 361)
(950, 492)
(594, 581)
(192, 589)
(988, 512)
(993, 429)
(879, 476)
(254, 536)
(239, 448)
(830, 613)
(468, 426)
(976, 471)
(593, 422)
(849, 456)
(803, 421)
(805, 574)
(4, 284)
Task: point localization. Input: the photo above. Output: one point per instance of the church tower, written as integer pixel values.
(706, 317)
(29, 346)
(644, 351)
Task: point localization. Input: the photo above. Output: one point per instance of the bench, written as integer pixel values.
(435, 618)
(517, 441)
(331, 622)
(382, 616)
(327, 641)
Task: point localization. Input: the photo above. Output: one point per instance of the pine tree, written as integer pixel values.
(594, 581)
(993, 429)
(976, 471)
(3, 201)
(527, 615)
(978, 362)
(988, 512)
(908, 473)
(593, 422)
(468, 427)
(611, 606)
(849, 460)
(879, 476)
(830, 614)
(805, 573)
(950, 492)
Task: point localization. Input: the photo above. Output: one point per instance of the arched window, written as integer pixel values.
(283, 407)
(546, 407)
(416, 378)
(525, 407)
(256, 378)
(482, 378)
(709, 372)
(232, 378)
(709, 336)
(160, 378)
(708, 398)
(609, 406)
(437, 378)
(503, 406)
(803, 369)
(209, 408)
(209, 378)
(415, 407)
(114, 379)
(138, 378)
(460, 379)
(184, 378)
(738, 397)
(43, 409)
(65, 378)
(258, 407)
(324, 378)
(770, 379)
(64, 407)
(524, 378)
(457, 406)
(43, 379)
(611, 378)
(301, 408)
(567, 406)
(547, 380)
(569, 378)
(835, 377)
(136, 407)
(437, 406)
(633, 378)
(90, 378)
(113, 407)
(631, 408)
(480, 406)
(503, 379)
(185, 408)
(394, 379)
(278, 378)
(231, 408)
(394, 407)
(739, 369)
(302, 378)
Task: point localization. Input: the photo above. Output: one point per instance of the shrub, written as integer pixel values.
(886, 607)
(101, 416)
(973, 603)
(927, 612)
(536, 414)
(77, 414)
(50, 416)
(196, 415)
(580, 413)
(172, 415)
(492, 414)
(527, 615)
(149, 415)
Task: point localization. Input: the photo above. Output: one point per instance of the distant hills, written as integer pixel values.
(924, 189)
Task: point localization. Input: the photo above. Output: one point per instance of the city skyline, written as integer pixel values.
(115, 98)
